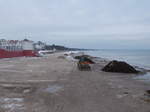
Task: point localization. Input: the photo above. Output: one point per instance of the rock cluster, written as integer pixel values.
(119, 67)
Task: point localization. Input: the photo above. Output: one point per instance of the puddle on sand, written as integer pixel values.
(53, 88)
(145, 77)
(12, 104)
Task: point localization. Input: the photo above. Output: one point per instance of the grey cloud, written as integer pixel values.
(76, 20)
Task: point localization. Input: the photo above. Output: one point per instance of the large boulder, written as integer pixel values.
(119, 67)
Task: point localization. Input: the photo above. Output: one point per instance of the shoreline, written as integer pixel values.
(114, 57)
(144, 71)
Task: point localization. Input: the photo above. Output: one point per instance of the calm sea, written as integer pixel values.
(139, 58)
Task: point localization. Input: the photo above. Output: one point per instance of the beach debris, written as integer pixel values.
(119, 67)
(61, 57)
(146, 97)
(123, 95)
(84, 64)
(26, 91)
(18, 88)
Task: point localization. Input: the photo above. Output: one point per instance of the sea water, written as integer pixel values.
(139, 58)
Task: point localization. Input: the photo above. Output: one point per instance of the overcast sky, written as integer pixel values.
(112, 24)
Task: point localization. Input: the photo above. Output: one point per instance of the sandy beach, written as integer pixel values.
(54, 84)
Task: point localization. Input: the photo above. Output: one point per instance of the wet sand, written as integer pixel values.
(52, 84)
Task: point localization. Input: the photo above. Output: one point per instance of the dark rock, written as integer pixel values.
(126, 93)
(85, 58)
(66, 55)
(119, 67)
(148, 92)
(146, 97)
(79, 57)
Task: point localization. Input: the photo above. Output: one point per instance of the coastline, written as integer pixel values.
(53, 83)
(133, 57)
(144, 68)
